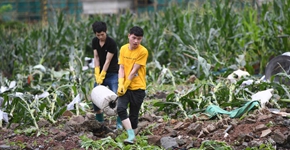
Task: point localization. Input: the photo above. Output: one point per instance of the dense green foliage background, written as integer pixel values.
(220, 32)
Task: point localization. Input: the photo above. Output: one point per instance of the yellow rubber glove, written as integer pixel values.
(101, 77)
(126, 85)
(120, 87)
(97, 73)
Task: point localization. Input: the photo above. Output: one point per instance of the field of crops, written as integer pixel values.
(42, 65)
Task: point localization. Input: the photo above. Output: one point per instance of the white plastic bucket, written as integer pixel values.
(101, 97)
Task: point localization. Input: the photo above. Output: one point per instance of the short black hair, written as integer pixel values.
(99, 26)
(136, 31)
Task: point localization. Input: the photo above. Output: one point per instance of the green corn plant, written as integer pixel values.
(23, 111)
(192, 100)
(220, 93)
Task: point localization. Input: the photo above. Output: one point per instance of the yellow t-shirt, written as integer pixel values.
(130, 57)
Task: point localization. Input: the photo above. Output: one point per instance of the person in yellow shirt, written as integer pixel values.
(132, 81)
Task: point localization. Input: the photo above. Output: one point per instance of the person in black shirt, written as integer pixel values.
(106, 63)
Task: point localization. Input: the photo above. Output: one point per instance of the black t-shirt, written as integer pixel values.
(111, 47)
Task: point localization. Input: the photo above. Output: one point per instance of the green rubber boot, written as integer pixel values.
(100, 117)
(119, 125)
(131, 137)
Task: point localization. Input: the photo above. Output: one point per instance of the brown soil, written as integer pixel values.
(242, 131)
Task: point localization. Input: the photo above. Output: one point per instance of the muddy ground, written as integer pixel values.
(256, 128)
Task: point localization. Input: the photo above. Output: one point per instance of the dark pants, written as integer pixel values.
(111, 80)
(135, 99)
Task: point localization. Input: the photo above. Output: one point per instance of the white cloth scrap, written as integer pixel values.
(40, 67)
(43, 95)
(77, 99)
(1, 101)
(263, 96)
(286, 53)
(4, 116)
(236, 75)
(3, 89)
